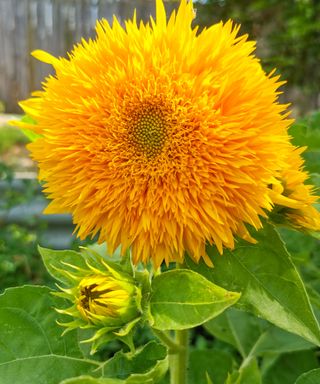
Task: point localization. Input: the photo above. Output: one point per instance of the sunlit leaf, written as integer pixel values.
(182, 299)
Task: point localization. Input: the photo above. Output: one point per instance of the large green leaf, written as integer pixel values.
(311, 377)
(182, 299)
(270, 284)
(300, 245)
(286, 368)
(238, 328)
(32, 349)
(209, 362)
(147, 365)
(49, 369)
(252, 336)
(28, 314)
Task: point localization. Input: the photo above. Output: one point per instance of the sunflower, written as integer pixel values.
(159, 137)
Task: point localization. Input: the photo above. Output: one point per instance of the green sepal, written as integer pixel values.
(126, 262)
(124, 335)
(143, 279)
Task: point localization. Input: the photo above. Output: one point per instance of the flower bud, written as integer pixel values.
(103, 297)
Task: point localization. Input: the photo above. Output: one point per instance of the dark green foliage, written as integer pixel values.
(10, 136)
(288, 35)
(20, 262)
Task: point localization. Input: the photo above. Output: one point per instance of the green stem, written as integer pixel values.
(178, 361)
(167, 340)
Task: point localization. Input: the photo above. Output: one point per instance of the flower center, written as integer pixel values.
(148, 131)
(89, 295)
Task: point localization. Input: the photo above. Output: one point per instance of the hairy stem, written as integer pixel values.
(173, 347)
(178, 361)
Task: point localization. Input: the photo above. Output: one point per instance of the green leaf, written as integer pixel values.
(307, 132)
(182, 299)
(253, 336)
(148, 365)
(276, 340)
(312, 159)
(90, 380)
(28, 314)
(31, 344)
(212, 363)
(238, 328)
(52, 260)
(288, 367)
(50, 369)
(299, 245)
(311, 377)
(270, 284)
(247, 374)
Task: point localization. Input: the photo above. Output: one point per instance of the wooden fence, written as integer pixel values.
(55, 25)
(51, 25)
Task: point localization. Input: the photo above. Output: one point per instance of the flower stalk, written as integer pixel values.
(178, 361)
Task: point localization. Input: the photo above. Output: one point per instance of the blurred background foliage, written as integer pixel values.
(288, 38)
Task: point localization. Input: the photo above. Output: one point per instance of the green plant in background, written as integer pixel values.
(19, 259)
(288, 37)
(173, 152)
(306, 131)
(10, 136)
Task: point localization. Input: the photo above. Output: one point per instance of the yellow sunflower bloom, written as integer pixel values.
(160, 138)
